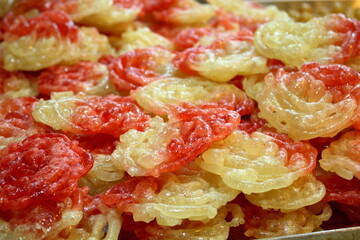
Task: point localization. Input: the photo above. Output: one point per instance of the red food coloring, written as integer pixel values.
(80, 200)
(16, 117)
(296, 151)
(97, 143)
(199, 128)
(333, 75)
(171, 8)
(254, 216)
(186, 60)
(129, 3)
(196, 129)
(166, 15)
(252, 123)
(49, 212)
(156, 5)
(41, 168)
(48, 24)
(320, 143)
(46, 214)
(76, 78)
(341, 190)
(243, 106)
(274, 65)
(238, 82)
(342, 216)
(112, 115)
(247, 126)
(188, 37)
(229, 21)
(341, 81)
(133, 69)
(135, 230)
(129, 192)
(167, 30)
(348, 30)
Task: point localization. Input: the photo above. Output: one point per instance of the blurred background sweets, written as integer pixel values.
(305, 10)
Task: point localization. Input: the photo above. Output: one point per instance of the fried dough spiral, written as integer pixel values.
(190, 193)
(341, 156)
(304, 105)
(255, 163)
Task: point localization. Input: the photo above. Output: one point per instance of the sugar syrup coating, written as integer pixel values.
(216, 228)
(138, 153)
(95, 221)
(254, 11)
(85, 76)
(254, 85)
(48, 39)
(79, 216)
(89, 114)
(264, 224)
(139, 67)
(258, 162)
(189, 193)
(342, 156)
(223, 60)
(102, 175)
(139, 37)
(305, 191)
(116, 18)
(163, 96)
(104, 223)
(185, 12)
(329, 39)
(315, 101)
(42, 167)
(168, 146)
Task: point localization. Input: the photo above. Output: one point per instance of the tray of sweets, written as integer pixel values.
(179, 119)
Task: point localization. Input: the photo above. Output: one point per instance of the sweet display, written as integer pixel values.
(174, 119)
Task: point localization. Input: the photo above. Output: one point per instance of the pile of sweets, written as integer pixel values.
(171, 119)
